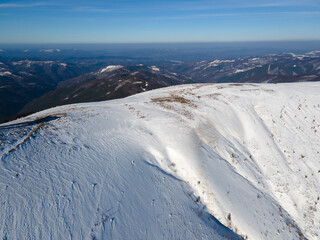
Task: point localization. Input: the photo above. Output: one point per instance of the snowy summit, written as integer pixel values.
(210, 161)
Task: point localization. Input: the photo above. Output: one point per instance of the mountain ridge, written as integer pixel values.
(247, 152)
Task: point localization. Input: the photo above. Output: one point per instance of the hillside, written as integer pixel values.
(184, 162)
(111, 82)
(22, 81)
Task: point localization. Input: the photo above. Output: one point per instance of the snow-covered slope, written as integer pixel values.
(172, 163)
(110, 68)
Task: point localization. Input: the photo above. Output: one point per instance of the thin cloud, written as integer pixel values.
(91, 9)
(18, 5)
(235, 5)
(195, 16)
(65, 7)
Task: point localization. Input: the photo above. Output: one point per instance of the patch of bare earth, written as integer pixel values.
(170, 103)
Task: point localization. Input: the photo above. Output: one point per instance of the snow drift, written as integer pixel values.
(212, 161)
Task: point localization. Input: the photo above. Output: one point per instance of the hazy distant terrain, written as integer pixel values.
(36, 79)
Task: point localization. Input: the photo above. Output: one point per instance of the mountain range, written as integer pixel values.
(27, 86)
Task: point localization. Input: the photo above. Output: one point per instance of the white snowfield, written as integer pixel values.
(50, 50)
(110, 68)
(6, 73)
(217, 62)
(155, 68)
(172, 163)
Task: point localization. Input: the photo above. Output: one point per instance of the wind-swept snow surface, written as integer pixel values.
(173, 163)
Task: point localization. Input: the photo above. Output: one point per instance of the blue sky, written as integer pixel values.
(124, 21)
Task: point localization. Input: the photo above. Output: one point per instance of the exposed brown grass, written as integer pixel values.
(36, 128)
(31, 134)
(213, 95)
(203, 85)
(166, 102)
(249, 90)
(236, 84)
(241, 84)
(171, 99)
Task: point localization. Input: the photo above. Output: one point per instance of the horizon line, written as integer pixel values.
(164, 42)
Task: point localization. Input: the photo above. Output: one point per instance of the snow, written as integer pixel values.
(110, 68)
(313, 53)
(50, 50)
(22, 62)
(299, 57)
(244, 70)
(157, 164)
(6, 73)
(28, 63)
(175, 61)
(216, 63)
(240, 70)
(155, 68)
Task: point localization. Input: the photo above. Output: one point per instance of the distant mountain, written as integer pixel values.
(273, 68)
(110, 82)
(22, 81)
